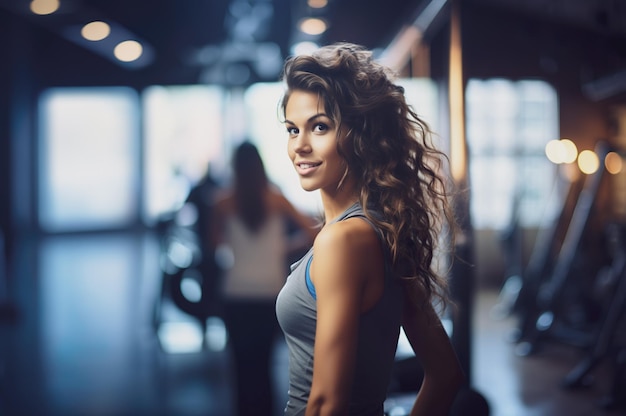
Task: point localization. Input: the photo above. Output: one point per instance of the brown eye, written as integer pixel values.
(320, 127)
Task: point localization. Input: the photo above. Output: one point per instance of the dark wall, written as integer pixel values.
(522, 45)
(499, 43)
(4, 130)
(15, 120)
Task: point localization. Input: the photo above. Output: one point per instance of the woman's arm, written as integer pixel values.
(443, 375)
(304, 222)
(346, 262)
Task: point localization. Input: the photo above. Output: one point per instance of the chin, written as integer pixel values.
(309, 187)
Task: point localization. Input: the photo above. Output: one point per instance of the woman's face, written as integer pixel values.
(312, 144)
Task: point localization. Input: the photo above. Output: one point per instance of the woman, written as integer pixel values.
(250, 218)
(352, 135)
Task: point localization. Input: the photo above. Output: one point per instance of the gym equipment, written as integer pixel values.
(551, 294)
(606, 346)
(548, 242)
(182, 263)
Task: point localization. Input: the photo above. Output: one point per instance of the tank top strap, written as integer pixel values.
(356, 210)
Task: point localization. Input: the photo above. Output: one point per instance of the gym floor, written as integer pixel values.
(84, 342)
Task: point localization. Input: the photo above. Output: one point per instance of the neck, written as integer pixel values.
(335, 205)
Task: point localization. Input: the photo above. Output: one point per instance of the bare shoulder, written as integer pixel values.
(348, 262)
(353, 237)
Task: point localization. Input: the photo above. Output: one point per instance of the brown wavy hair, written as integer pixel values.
(389, 151)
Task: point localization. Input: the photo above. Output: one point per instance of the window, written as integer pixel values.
(184, 137)
(88, 175)
(508, 126)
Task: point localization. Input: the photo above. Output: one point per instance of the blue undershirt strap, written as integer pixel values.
(307, 276)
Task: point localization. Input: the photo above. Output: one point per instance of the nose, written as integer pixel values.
(301, 144)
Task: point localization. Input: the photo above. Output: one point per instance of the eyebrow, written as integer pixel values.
(310, 119)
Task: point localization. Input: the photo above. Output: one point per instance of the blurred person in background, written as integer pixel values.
(251, 218)
(202, 196)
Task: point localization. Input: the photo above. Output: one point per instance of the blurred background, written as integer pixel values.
(112, 111)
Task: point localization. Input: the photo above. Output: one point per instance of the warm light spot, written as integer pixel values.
(317, 4)
(613, 163)
(555, 152)
(570, 152)
(561, 151)
(458, 144)
(95, 31)
(313, 26)
(588, 162)
(43, 7)
(128, 51)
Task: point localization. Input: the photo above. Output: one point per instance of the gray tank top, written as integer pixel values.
(379, 328)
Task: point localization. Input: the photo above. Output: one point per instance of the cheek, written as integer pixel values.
(330, 150)
(290, 151)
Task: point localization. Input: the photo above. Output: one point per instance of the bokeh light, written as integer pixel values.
(561, 151)
(95, 31)
(44, 7)
(313, 26)
(128, 51)
(588, 162)
(613, 163)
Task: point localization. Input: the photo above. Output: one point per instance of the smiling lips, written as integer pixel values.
(305, 168)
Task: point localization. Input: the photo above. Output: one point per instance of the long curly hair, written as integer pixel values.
(390, 153)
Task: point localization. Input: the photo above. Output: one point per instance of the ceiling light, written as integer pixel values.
(43, 7)
(95, 31)
(313, 26)
(111, 41)
(317, 4)
(128, 51)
